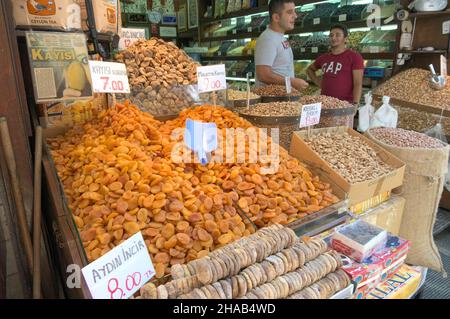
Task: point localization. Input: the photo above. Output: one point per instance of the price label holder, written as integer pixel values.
(130, 35)
(248, 91)
(201, 138)
(310, 116)
(121, 272)
(342, 17)
(444, 67)
(315, 50)
(316, 21)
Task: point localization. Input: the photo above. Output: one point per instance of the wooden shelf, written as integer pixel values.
(296, 30)
(301, 56)
(424, 52)
(228, 58)
(246, 12)
(429, 14)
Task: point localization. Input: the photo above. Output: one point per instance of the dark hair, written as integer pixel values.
(341, 27)
(276, 5)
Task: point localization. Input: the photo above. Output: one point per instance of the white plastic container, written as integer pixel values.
(359, 240)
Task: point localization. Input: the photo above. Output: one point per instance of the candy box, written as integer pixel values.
(402, 284)
(359, 240)
(378, 267)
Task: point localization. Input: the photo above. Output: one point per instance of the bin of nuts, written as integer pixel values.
(282, 115)
(161, 76)
(238, 99)
(276, 93)
(334, 112)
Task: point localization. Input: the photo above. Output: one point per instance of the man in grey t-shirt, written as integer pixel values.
(274, 59)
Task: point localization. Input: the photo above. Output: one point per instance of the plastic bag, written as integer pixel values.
(365, 113)
(385, 116)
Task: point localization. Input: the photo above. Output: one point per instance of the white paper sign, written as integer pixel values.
(314, 49)
(121, 272)
(302, 50)
(446, 27)
(287, 82)
(211, 78)
(316, 21)
(310, 114)
(249, 29)
(130, 35)
(444, 67)
(342, 17)
(168, 32)
(109, 77)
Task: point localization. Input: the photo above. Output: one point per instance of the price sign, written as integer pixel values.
(130, 35)
(249, 29)
(121, 272)
(342, 17)
(444, 67)
(211, 78)
(310, 114)
(316, 21)
(287, 82)
(302, 50)
(109, 77)
(314, 49)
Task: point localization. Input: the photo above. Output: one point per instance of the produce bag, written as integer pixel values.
(365, 113)
(385, 116)
(425, 173)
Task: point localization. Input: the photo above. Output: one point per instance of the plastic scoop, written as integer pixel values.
(201, 138)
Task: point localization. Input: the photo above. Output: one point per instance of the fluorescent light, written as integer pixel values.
(362, 2)
(239, 79)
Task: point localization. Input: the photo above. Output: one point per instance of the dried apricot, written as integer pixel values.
(203, 235)
(168, 231)
(176, 206)
(183, 239)
(225, 239)
(210, 225)
(131, 227)
(162, 258)
(115, 186)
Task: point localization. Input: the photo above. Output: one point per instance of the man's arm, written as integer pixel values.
(265, 74)
(311, 71)
(357, 85)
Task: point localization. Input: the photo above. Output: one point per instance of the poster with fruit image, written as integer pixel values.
(59, 66)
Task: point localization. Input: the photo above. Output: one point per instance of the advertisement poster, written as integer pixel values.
(59, 66)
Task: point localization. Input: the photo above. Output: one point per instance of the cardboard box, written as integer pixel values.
(402, 285)
(387, 215)
(357, 192)
(370, 203)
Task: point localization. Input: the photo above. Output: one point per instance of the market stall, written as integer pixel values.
(206, 187)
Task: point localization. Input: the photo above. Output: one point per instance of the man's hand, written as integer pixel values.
(299, 84)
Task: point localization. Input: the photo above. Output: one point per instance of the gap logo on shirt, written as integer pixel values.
(286, 44)
(331, 67)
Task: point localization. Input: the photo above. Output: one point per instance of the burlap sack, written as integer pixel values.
(422, 188)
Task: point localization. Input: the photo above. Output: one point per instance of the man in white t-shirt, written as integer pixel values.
(274, 59)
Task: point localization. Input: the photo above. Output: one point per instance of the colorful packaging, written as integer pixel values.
(378, 267)
(402, 285)
(55, 14)
(107, 16)
(370, 203)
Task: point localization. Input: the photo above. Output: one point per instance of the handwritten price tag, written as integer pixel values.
(121, 272)
(211, 78)
(130, 35)
(109, 77)
(310, 114)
